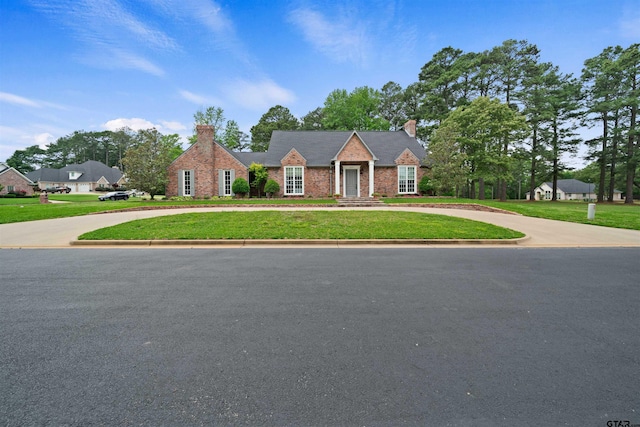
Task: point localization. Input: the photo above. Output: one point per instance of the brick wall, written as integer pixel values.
(205, 158)
(354, 151)
(386, 179)
(225, 161)
(11, 177)
(198, 157)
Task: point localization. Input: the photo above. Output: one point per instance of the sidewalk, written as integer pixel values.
(60, 233)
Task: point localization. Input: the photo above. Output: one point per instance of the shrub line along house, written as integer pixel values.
(306, 164)
(83, 177)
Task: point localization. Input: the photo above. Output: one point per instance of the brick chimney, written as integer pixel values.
(410, 128)
(205, 133)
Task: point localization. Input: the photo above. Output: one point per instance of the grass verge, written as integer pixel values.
(29, 209)
(617, 215)
(302, 225)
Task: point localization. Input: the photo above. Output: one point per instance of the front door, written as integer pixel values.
(351, 182)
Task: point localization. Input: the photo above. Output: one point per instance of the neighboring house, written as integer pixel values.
(13, 181)
(306, 163)
(570, 189)
(80, 178)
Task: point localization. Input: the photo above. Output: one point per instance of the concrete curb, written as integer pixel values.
(300, 242)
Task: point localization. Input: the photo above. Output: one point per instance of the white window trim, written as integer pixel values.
(224, 184)
(415, 176)
(285, 180)
(184, 182)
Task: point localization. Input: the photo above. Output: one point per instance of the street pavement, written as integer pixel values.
(320, 337)
(60, 233)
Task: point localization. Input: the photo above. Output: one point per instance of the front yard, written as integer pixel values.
(28, 209)
(370, 224)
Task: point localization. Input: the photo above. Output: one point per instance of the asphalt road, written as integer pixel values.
(362, 337)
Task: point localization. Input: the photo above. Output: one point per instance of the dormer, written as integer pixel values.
(74, 175)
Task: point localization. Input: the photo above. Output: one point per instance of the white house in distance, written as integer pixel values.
(570, 189)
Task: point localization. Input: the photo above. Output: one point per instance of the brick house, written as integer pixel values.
(13, 181)
(306, 164)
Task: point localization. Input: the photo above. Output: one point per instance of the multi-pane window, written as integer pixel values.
(293, 180)
(547, 195)
(186, 183)
(406, 179)
(227, 183)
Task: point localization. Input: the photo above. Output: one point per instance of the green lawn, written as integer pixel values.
(28, 209)
(617, 215)
(302, 225)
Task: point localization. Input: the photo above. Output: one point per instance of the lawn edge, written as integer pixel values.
(298, 242)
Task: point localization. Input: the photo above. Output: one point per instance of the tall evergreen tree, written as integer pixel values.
(563, 98)
(277, 118)
(601, 80)
(630, 65)
(392, 105)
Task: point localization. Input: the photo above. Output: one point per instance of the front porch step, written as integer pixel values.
(359, 202)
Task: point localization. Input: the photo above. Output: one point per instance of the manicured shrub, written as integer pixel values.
(271, 187)
(425, 186)
(240, 187)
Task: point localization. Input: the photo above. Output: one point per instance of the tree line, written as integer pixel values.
(108, 147)
(500, 117)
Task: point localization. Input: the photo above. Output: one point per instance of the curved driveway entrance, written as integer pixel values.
(540, 232)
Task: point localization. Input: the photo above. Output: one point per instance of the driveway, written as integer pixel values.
(59, 233)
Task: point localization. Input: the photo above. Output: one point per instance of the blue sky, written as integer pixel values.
(90, 65)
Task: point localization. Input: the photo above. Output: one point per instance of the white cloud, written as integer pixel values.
(341, 39)
(12, 139)
(130, 60)
(134, 123)
(43, 139)
(201, 100)
(172, 126)
(18, 100)
(210, 15)
(258, 95)
(111, 33)
(105, 21)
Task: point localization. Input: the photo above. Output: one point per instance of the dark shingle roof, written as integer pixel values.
(91, 171)
(319, 148)
(573, 186)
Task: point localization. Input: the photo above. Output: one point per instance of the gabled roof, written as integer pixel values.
(319, 148)
(347, 142)
(91, 171)
(245, 157)
(575, 186)
(5, 168)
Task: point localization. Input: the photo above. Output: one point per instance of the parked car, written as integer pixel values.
(114, 195)
(135, 193)
(58, 189)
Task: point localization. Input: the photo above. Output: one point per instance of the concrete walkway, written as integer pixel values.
(60, 233)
